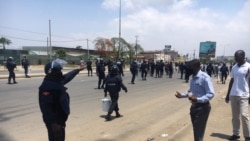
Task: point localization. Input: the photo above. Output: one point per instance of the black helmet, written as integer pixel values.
(10, 58)
(101, 60)
(114, 69)
(56, 65)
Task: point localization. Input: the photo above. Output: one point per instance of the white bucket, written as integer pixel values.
(106, 104)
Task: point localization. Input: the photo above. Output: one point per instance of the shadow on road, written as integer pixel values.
(220, 135)
(4, 137)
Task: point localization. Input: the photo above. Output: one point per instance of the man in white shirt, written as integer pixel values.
(238, 94)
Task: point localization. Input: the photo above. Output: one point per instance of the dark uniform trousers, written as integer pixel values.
(26, 70)
(199, 113)
(12, 75)
(114, 102)
(53, 136)
(133, 77)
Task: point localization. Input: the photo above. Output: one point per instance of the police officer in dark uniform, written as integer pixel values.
(161, 68)
(181, 68)
(113, 86)
(157, 69)
(170, 69)
(152, 68)
(188, 72)
(11, 65)
(89, 67)
(109, 64)
(25, 65)
(144, 70)
(101, 73)
(133, 70)
(210, 69)
(54, 100)
(119, 64)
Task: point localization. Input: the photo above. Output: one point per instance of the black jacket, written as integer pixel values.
(114, 84)
(54, 100)
(10, 65)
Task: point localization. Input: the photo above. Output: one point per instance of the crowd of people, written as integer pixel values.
(54, 99)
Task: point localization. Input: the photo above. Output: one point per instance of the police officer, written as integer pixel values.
(210, 69)
(188, 72)
(25, 65)
(144, 70)
(170, 69)
(109, 64)
(133, 70)
(152, 68)
(89, 67)
(113, 86)
(101, 73)
(119, 64)
(157, 69)
(182, 68)
(11, 65)
(161, 67)
(54, 100)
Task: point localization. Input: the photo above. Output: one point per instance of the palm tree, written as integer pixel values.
(125, 47)
(4, 41)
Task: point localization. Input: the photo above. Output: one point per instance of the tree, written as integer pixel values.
(78, 47)
(124, 49)
(5, 41)
(61, 53)
(104, 46)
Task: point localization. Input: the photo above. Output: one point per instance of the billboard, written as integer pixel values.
(207, 49)
(167, 48)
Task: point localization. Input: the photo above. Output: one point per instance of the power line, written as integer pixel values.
(16, 29)
(40, 40)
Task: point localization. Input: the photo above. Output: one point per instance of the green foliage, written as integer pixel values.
(4, 41)
(39, 61)
(61, 53)
(78, 47)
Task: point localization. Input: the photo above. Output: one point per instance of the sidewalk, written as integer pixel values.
(38, 71)
(35, 71)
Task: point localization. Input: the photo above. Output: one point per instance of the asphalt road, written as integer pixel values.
(20, 116)
(149, 110)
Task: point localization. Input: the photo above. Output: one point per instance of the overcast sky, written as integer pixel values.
(183, 24)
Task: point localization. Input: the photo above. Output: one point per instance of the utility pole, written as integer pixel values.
(50, 47)
(136, 36)
(88, 47)
(194, 54)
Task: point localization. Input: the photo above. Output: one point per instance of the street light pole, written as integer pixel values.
(119, 47)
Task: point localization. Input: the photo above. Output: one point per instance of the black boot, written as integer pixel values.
(108, 117)
(117, 114)
(14, 81)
